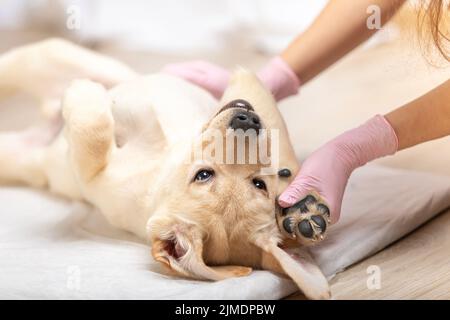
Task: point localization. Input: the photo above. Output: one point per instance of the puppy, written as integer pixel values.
(133, 152)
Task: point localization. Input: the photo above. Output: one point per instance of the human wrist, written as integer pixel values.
(374, 139)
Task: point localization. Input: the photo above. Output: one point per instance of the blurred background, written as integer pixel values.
(384, 73)
(166, 26)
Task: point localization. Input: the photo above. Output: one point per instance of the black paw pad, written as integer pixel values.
(323, 209)
(284, 211)
(306, 221)
(287, 225)
(320, 222)
(285, 173)
(305, 229)
(310, 199)
(303, 204)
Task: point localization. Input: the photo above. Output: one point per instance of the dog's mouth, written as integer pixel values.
(238, 103)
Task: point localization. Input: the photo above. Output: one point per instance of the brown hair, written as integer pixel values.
(433, 20)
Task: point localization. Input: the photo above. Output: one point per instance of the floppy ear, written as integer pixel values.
(297, 263)
(178, 245)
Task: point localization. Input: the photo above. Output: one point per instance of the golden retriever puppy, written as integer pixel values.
(161, 158)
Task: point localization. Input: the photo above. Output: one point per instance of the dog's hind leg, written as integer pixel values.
(44, 70)
(89, 128)
(22, 157)
(27, 70)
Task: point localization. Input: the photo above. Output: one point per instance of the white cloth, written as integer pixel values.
(51, 248)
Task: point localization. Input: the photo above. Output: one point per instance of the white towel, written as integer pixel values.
(53, 249)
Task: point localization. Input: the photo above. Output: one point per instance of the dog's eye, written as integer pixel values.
(204, 175)
(259, 184)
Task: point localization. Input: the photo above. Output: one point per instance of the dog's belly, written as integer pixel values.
(153, 107)
(160, 104)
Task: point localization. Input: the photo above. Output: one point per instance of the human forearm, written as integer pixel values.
(340, 27)
(426, 118)
(327, 170)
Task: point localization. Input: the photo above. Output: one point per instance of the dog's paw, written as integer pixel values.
(306, 221)
(84, 102)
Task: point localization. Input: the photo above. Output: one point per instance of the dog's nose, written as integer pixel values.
(245, 120)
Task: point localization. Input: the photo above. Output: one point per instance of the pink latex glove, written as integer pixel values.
(277, 76)
(328, 169)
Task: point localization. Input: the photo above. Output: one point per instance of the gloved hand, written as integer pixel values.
(328, 169)
(277, 76)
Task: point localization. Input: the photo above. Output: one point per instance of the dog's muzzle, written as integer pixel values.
(244, 118)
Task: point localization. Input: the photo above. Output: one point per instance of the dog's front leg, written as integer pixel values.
(89, 128)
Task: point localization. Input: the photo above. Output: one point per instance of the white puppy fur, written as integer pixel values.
(124, 151)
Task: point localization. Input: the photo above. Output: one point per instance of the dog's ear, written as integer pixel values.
(296, 263)
(178, 245)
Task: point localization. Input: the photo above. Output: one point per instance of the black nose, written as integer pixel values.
(245, 120)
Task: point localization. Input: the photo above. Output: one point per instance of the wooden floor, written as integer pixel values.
(415, 267)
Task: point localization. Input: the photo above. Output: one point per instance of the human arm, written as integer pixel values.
(328, 169)
(340, 27)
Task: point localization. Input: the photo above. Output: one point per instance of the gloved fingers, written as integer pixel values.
(306, 185)
(298, 189)
(204, 74)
